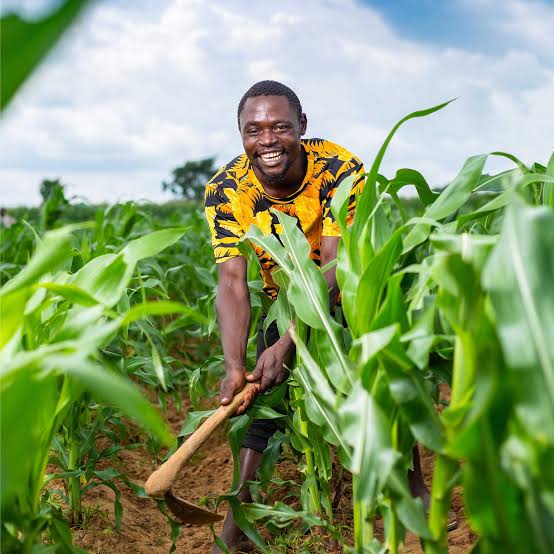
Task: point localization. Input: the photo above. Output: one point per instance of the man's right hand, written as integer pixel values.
(233, 382)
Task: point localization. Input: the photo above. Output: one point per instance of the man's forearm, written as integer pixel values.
(233, 314)
(329, 247)
(332, 286)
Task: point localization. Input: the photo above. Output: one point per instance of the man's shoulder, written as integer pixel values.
(229, 175)
(323, 148)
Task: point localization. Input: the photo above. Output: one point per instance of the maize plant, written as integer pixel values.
(57, 324)
(459, 294)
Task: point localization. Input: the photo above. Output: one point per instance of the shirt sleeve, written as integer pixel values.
(224, 229)
(330, 228)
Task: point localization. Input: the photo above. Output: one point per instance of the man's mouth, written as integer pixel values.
(272, 158)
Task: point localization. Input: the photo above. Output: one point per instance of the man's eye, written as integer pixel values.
(251, 131)
(281, 127)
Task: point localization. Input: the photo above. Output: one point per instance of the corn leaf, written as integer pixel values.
(516, 275)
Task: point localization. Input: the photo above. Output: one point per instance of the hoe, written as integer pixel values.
(160, 482)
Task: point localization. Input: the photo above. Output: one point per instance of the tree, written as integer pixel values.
(189, 180)
(53, 202)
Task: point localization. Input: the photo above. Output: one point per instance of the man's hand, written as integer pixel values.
(231, 384)
(270, 369)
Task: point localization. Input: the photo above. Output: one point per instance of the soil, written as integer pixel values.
(145, 530)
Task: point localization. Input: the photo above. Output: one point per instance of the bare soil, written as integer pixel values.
(145, 530)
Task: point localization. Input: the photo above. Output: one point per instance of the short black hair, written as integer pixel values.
(270, 88)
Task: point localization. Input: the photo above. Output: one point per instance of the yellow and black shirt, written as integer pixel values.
(235, 199)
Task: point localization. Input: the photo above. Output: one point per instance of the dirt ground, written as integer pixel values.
(145, 530)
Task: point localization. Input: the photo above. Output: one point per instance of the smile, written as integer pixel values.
(272, 157)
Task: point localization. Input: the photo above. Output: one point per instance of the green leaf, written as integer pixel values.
(548, 192)
(139, 311)
(48, 256)
(12, 308)
(339, 203)
(24, 44)
(451, 199)
(157, 365)
(511, 157)
(364, 202)
(193, 421)
(244, 523)
(151, 244)
(307, 291)
(366, 429)
(518, 276)
(320, 399)
(72, 293)
(508, 196)
(238, 430)
(271, 457)
(281, 515)
(112, 389)
(407, 388)
(105, 278)
(406, 177)
(373, 282)
(21, 472)
(264, 412)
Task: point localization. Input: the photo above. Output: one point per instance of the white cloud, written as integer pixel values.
(259, 70)
(530, 21)
(135, 91)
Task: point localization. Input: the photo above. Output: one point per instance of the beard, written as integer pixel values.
(277, 179)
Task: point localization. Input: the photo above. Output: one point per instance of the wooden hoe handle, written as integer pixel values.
(161, 480)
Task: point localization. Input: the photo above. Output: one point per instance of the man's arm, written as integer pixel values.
(329, 246)
(233, 314)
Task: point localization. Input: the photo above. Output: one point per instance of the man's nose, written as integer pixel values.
(267, 137)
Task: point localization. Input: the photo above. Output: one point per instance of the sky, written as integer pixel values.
(137, 88)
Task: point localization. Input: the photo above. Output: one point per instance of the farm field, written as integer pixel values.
(145, 529)
(109, 327)
(439, 349)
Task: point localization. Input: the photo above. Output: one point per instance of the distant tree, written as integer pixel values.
(189, 180)
(52, 189)
(53, 202)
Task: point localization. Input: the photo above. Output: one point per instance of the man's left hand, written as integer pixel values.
(270, 369)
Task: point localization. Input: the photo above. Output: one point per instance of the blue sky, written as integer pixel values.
(139, 87)
(464, 24)
(448, 23)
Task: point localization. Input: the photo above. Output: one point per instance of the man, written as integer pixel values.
(6, 220)
(279, 170)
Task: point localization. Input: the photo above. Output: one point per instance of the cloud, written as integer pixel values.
(137, 89)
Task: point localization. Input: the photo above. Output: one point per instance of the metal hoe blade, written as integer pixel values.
(186, 512)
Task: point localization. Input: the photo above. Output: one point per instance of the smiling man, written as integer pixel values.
(282, 171)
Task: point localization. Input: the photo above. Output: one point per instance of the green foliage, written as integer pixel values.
(24, 44)
(451, 287)
(54, 203)
(457, 294)
(80, 322)
(189, 180)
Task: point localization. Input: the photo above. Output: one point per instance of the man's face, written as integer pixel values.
(271, 131)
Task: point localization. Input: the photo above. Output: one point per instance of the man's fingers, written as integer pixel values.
(255, 375)
(247, 401)
(226, 392)
(265, 383)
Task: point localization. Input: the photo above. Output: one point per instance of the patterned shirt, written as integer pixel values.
(235, 199)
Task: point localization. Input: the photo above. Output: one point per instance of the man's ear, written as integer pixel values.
(303, 124)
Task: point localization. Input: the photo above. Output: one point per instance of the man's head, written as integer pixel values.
(271, 124)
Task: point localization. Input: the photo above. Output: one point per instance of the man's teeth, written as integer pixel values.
(272, 156)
